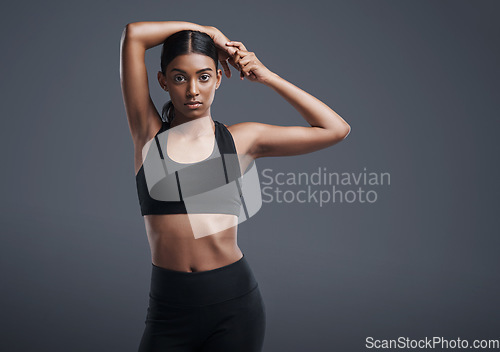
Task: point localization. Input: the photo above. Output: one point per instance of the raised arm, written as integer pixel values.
(137, 37)
(327, 127)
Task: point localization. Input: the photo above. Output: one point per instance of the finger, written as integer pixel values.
(247, 71)
(234, 49)
(244, 61)
(240, 52)
(234, 59)
(231, 61)
(225, 67)
(237, 44)
(237, 58)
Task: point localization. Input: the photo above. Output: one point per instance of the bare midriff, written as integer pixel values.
(174, 245)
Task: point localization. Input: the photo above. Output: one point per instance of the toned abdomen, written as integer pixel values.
(192, 243)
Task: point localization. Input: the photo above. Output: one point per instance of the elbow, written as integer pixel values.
(346, 132)
(341, 133)
(125, 34)
(128, 30)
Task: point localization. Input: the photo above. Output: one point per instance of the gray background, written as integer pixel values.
(417, 82)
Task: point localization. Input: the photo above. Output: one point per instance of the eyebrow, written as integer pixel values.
(203, 69)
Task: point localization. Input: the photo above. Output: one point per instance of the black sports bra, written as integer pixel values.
(212, 185)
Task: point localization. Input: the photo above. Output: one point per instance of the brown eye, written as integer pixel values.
(175, 78)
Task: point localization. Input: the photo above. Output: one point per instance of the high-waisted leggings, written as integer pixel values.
(216, 310)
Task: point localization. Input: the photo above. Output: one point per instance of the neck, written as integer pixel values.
(193, 127)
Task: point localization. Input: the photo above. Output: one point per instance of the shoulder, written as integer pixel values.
(244, 127)
(245, 135)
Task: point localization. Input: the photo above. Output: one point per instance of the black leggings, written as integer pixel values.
(216, 310)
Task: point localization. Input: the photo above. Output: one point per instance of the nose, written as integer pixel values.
(193, 88)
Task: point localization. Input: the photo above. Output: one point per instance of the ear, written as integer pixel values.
(162, 81)
(219, 78)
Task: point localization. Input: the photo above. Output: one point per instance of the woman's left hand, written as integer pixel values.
(248, 64)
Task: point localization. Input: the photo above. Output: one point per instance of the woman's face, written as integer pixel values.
(192, 77)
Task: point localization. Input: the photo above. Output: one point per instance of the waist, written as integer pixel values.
(177, 248)
(202, 287)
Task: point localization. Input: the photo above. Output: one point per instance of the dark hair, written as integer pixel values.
(181, 43)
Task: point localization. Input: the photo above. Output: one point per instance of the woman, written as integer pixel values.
(203, 295)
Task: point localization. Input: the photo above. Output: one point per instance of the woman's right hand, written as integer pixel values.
(220, 41)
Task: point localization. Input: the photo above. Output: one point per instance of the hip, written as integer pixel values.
(200, 288)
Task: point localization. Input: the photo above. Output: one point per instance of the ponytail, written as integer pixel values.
(168, 113)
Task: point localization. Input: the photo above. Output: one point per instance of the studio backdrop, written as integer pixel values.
(389, 235)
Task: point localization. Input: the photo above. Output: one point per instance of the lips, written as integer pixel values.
(192, 102)
(193, 105)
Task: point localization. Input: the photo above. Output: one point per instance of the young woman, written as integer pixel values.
(203, 294)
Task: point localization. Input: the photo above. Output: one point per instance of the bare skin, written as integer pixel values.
(173, 245)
